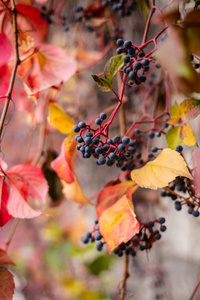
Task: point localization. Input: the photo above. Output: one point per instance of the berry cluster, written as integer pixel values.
(94, 142)
(142, 240)
(183, 185)
(137, 62)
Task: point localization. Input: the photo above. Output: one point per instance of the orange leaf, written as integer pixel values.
(74, 192)
(6, 284)
(4, 258)
(118, 223)
(110, 194)
(187, 135)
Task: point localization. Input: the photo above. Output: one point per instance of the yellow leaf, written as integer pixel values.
(160, 172)
(173, 137)
(59, 119)
(187, 135)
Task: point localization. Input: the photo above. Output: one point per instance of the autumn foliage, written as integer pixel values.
(149, 89)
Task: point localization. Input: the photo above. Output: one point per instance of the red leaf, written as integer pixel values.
(4, 215)
(17, 203)
(33, 178)
(6, 284)
(25, 180)
(5, 49)
(4, 258)
(50, 66)
(29, 20)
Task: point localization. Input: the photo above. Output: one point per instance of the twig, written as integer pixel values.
(148, 22)
(124, 279)
(195, 290)
(17, 63)
(40, 144)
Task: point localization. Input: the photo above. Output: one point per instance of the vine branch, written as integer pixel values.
(195, 290)
(14, 72)
(124, 278)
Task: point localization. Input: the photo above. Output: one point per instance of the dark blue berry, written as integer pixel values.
(146, 68)
(158, 236)
(150, 224)
(132, 143)
(101, 161)
(116, 250)
(126, 59)
(128, 155)
(116, 139)
(163, 228)
(103, 116)
(99, 150)
(196, 66)
(120, 42)
(154, 149)
(150, 155)
(110, 141)
(190, 210)
(132, 75)
(137, 131)
(151, 135)
(109, 163)
(76, 128)
(78, 147)
(78, 8)
(158, 133)
(179, 148)
(137, 65)
(119, 164)
(87, 155)
(79, 139)
(99, 246)
(125, 140)
(106, 147)
(96, 222)
(119, 51)
(127, 44)
(157, 65)
(161, 220)
(132, 150)
(84, 240)
(138, 155)
(88, 235)
(82, 125)
(88, 149)
(121, 147)
(178, 205)
(145, 62)
(142, 78)
(98, 236)
(89, 134)
(95, 141)
(195, 213)
(112, 156)
(88, 140)
(98, 121)
(131, 51)
(166, 125)
(141, 54)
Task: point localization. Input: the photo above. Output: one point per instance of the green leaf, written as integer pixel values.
(189, 109)
(99, 264)
(112, 67)
(173, 137)
(103, 85)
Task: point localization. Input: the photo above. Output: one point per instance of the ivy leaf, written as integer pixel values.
(103, 85)
(4, 195)
(110, 194)
(175, 114)
(25, 180)
(112, 67)
(118, 223)
(187, 135)
(173, 137)
(6, 284)
(189, 109)
(59, 119)
(64, 166)
(160, 172)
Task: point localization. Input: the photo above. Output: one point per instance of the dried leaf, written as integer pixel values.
(189, 109)
(103, 85)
